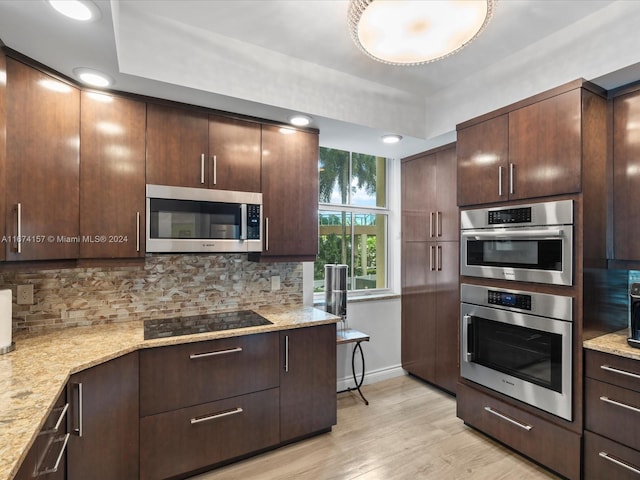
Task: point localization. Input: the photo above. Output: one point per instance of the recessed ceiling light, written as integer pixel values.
(93, 78)
(81, 10)
(300, 120)
(391, 138)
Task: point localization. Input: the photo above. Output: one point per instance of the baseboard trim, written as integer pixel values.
(372, 376)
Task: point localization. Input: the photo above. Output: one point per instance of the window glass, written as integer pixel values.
(334, 244)
(334, 176)
(369, 251)
(367, 180)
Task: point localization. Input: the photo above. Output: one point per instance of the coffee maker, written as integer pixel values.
(634, 315)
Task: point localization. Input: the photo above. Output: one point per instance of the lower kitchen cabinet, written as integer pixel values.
(189, 439)
(545, 442)
(307, 381)
(103, 421)
(612, 412)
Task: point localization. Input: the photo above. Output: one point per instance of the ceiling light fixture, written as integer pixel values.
(81, 10)
(391, 138)
(93, 78)
(415, 32)
(299, 120)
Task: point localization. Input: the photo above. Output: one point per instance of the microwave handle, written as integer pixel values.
(467, 337)
(243, 221)
(502, 235)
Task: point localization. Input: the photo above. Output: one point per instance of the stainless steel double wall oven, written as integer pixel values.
(515, 341)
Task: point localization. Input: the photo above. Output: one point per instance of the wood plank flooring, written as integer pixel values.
(408, 431)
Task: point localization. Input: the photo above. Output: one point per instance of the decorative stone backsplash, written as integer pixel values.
(165, 286)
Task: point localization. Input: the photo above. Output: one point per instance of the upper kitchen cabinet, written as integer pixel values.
(3, 141)
(626, 176)
(42, 165)
(112, 176)
(189, 148)
(289, 194)
(483, 158)
(234, 151)
(535, 148)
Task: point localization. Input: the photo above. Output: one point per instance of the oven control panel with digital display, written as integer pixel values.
(507, 299)
(508, 216)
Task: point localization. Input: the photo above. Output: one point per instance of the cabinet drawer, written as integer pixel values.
(610, 410)
(190, 374)
(620, 371)
(604, 458)
(522, 431)
(185, 440)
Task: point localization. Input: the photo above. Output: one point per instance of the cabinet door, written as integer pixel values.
(626, 176)
(103, 421)
(42, 165)
(234, 152)
(447, 316)
(290, 194)
(482, 151)
(447, 215)
(112, 177)
(307, 381)
(419, 198)
(3, 144)
(177, 146)
(545, 148)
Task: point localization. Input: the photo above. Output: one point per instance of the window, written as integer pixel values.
(353, 218)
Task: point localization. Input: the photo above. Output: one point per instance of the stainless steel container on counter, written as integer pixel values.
(335, 290)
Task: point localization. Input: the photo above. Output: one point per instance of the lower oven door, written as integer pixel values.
(523, 356)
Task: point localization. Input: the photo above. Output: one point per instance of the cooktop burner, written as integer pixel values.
(213, 322)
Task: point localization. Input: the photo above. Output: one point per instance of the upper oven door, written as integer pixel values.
(526, 254)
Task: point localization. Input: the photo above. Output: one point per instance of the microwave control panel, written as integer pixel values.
(509, 216)
(253, 222)
(507, 299)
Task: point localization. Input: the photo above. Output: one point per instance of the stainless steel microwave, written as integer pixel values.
(190, 220)
(526, 243)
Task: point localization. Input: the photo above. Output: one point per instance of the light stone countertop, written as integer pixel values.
(614, 343)
(35, 373)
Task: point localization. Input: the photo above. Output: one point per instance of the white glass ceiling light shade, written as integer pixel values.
(81, 10)
(414, 32)
(93, 77)
(391, 138)
(300, 120)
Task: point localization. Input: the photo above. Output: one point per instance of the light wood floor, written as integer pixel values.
(408, 431)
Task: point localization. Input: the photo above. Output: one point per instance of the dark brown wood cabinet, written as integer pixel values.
(112, 177)
(307, 381)
(290, 194)
(430, 259)
(42, 165)
(189, 148)
(612, 408)
(103, 421)
(535, 148)
(626, 176)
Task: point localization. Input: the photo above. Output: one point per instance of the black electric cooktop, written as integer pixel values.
(212, 322)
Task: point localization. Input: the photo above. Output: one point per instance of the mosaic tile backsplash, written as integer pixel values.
(165, 286)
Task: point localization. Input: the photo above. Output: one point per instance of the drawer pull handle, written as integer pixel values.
(621, 372)
(54, 469)
(208, 418)
(606, 456)
(193, 356)
(620, 404)
(63, 412)
(508, 419)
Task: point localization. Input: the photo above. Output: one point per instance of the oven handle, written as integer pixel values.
(468, 323)
(548, 233)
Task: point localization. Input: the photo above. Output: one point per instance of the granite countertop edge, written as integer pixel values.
(614, 343)
(34, 375)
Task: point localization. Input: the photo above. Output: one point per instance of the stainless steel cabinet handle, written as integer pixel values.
(208, 418)
(54, 469)
(431, 259)
(467, 319)
(286, 353)
(499, 181)
(19, 229)
(620, 463)
(215, 169)
(63, 412)
(620, 404)
(438, 224)
(137, 231)
(541, 233)
(202, 168)
(213, 354)
(266, 233)
(511, 175)
(524, 426)
(77, 429)
(439, 258)
(430, 224)
(621, 372)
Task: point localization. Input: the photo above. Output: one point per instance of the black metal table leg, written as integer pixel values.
(357, 382)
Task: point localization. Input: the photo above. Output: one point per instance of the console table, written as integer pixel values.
(354, 336)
